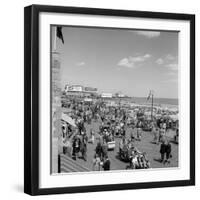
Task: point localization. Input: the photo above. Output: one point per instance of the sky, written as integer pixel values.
(120, 60)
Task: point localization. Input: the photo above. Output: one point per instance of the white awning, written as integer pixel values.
(68, 119)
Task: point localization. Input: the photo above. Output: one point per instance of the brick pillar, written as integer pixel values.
(56, 111)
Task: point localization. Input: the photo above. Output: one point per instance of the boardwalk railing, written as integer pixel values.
(67, 164)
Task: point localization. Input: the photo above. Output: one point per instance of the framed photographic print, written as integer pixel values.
(109, 100)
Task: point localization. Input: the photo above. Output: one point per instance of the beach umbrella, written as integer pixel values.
(174, 117)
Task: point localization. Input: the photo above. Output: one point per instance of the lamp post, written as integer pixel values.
(152, 95)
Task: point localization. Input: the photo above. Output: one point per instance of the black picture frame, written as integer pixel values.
(31, 98)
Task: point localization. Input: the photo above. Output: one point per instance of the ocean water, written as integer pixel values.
(157, 101)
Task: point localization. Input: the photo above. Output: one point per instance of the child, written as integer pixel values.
(96, 163)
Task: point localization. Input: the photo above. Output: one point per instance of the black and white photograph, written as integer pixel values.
(109, 100)
(114, 99)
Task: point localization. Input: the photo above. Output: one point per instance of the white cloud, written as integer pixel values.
(170, 57)
(148, 34)
(126, 62)
(168, 61)
(133, 61)
(80, 63)
(147, 56)
(172, 66)
(172, 80)
(159, 61)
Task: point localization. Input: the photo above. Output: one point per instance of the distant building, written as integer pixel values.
(106, 95)
(74, 88)
(90, 90)
(119, 94)
(79, 90)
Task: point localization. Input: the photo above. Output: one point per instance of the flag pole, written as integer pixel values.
(152, 106)
(55, 39)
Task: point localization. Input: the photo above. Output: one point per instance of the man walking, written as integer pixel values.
(162, 151)
(106, 164)
(168, 150)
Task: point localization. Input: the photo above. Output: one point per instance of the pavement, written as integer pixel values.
(145, 145)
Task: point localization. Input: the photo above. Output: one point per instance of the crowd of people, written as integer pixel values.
(113, 123)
